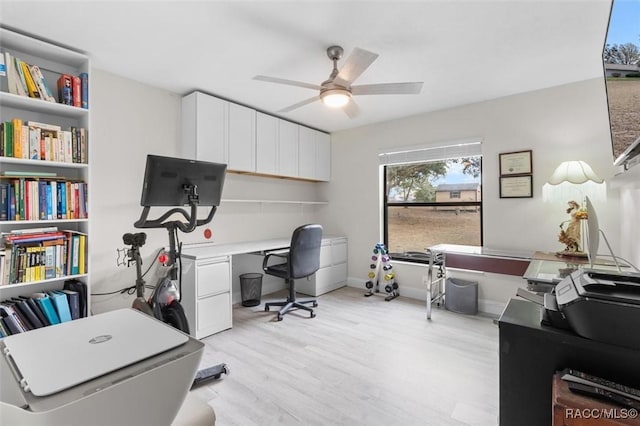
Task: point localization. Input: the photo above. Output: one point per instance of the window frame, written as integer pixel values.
(386, 204)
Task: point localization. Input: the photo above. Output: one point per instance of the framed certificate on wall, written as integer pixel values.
(516, 186)
(516, 163)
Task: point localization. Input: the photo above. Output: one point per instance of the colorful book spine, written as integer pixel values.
(41, 82)
(61, 305)
(17, 137)
(84, 82)
(65, 89)
(32, 88)
(47, 307)
(76, 91)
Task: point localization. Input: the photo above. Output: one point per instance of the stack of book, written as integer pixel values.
(24, 313)
(41, 254)
(28, 80)
(41, 141)
(41, 198)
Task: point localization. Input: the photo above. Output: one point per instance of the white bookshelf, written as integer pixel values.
(53, 61)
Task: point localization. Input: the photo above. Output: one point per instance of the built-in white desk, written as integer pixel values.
(211, 284)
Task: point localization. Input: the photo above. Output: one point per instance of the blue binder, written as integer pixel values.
(61, 305)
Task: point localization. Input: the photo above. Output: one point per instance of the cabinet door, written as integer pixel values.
(306, 153)
(213, 278)
(213, 315)
(242, 138)
(288, 148)
(325, 253)
(267, 144)
(204, 128)
(339, 251)
(323, 156)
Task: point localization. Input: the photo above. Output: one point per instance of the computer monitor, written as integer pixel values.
(169, 181)
(593, 235)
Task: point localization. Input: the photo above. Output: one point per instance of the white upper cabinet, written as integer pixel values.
(252, 142)
(288, 149)
(242, 138)
(323, 156)
(267, 146)
(307, 153)
(314, 155)
(204, 128)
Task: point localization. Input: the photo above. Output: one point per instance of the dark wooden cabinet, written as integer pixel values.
(571, 409)
(531, 353)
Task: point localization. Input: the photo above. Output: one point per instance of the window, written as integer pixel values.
(432, 202)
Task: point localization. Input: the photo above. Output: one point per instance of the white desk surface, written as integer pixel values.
(482, 251)
(207, 250)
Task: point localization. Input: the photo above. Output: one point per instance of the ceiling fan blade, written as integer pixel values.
(354, 66)
(387, 89)
(351, 109)
(300, 104)
(287, 82)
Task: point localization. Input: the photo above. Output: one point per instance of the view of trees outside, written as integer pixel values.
(417, 218)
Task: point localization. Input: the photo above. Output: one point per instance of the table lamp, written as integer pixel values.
(571, 181)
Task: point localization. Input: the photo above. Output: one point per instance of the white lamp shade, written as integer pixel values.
(576, 172)
(572, 180)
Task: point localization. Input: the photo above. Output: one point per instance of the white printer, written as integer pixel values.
(117, 368)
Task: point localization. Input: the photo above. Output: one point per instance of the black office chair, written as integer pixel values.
(302, 261)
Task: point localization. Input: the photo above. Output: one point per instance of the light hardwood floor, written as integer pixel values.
(361, 361)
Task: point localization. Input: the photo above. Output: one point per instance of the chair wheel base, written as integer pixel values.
(313, 315)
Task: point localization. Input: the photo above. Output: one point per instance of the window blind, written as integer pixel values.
(423, 153)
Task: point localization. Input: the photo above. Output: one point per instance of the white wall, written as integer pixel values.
(130, 120)
(558, 124)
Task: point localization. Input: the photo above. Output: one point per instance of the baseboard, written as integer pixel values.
(485, 306)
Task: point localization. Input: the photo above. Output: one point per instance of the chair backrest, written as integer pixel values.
(304, 251)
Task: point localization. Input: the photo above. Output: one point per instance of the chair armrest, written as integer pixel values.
(268, 255)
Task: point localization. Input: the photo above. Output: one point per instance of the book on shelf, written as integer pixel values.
(35, 307)
(84, 83)
(10, 320)
(65, 88)
(41, 83)
(76, 91)
(81, 288)
(28, 312)
(4, 201)
(14, 85)
(44, 301)
(61, 305)
(73, 298)
(4, 85)
(20, 82)
(7, 138)
(32, 88)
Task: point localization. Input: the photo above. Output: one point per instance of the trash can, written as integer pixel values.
(461, 296)
(251, 288)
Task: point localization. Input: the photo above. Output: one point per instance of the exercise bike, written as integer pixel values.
(172, 182)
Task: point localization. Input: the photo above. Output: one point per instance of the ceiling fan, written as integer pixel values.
(337, 90)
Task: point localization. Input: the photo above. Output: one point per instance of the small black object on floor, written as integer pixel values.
(210, 373)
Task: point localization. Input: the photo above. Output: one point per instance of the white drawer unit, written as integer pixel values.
(206, 294)
(333, 269)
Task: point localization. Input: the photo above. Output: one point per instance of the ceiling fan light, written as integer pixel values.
(335, 98)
